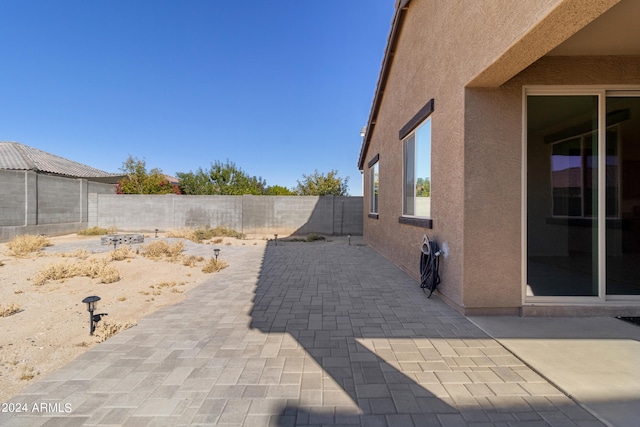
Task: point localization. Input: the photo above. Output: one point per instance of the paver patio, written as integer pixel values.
(300, 334)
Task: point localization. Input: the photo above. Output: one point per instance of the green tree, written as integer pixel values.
(319, 184)
(423, 187)
(221, 178)
(278, 190)
(196, 183)
(139, 181)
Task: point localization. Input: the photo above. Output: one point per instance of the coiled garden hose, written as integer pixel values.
(429, 266)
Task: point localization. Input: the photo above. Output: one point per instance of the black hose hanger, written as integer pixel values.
(429, 265)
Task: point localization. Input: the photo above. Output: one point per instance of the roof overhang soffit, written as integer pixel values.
(563, 21)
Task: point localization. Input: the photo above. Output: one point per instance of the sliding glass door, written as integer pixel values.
(623, 194)
(583, 194)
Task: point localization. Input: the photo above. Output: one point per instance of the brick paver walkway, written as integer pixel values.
(300, 334)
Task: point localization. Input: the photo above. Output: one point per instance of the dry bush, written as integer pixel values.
(106, 330)
(9, 310)
(180, 233)
(78, 253)
(92, 268)
(97, 231)
(199, 234)
(191, 260)
(214, 265)
(26, 244)
(122, 253)
(161, 249)
(28, 373)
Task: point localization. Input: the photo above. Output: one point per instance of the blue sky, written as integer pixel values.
(280, 87)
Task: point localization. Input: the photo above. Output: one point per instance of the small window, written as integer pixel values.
(374, 187)
(417, 172)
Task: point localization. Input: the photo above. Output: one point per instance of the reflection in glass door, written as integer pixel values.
(562, 195)
(623, 195)
(566, 169)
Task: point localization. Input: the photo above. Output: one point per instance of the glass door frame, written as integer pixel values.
(601, 92)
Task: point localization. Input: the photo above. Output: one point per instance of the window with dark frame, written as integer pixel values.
(416, 168)
(374, 186)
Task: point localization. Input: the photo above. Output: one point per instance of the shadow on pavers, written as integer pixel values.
(388, 355)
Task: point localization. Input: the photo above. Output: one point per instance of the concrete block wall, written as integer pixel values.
(194, 211)
(59, 200)
(262, 215)
(32, 203)
(12, 198)
(347, 215)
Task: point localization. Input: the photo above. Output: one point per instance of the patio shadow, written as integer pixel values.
(367, 327)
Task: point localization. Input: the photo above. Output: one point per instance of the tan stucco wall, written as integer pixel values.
(476, 142)
(493, 165)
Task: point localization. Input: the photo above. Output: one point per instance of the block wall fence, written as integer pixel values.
(32, 203)
(259, 215)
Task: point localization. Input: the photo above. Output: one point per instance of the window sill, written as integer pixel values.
(416, 222)
(373, 215)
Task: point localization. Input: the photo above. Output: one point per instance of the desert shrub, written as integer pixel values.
(97, 231)
(214, 265)
(27, 373)
(6, 311)
(180, 233)
(93, 268)
(314, 237)
(26, 244)
(310, 238)
(199, 234)
(191, 260)
(122, 253)
(78, 253)
(106, 330)
(161, 249)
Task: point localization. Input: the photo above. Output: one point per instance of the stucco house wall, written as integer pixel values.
(473, 59)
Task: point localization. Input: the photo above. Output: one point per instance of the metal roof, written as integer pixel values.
(16, 156)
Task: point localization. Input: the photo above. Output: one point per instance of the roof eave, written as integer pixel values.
(392, 43)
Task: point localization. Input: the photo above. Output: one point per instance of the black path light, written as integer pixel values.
(349, 236)
(216, 252)
(156, 233)
(91, 306)
(276, 236)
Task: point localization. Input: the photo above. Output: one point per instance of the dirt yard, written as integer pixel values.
(50, 325)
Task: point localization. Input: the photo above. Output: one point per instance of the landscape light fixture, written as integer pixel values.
(276, 236)
(349, 237)
(156, 233)
(91, 306)
(216, 252)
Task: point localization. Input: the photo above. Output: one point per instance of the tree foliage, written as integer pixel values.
(423, 187)
(278, 190)
(320, 184)
(140, 181)
(222, 178)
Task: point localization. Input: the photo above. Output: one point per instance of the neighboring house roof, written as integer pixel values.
(16, 156)
(172, 179)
